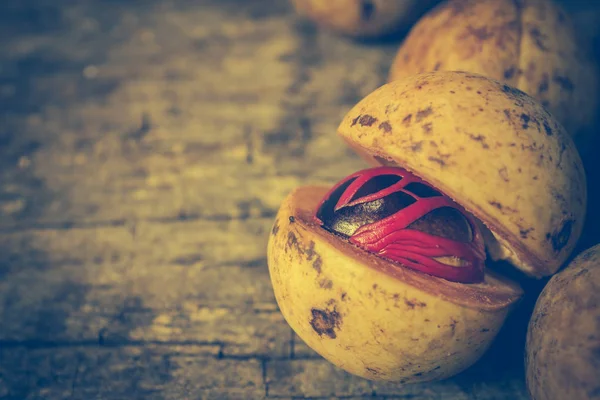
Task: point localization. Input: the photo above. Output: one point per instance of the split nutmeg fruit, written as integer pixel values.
(384, 274)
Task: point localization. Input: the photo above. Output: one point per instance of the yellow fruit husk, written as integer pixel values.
(488, 146)
(373, 318)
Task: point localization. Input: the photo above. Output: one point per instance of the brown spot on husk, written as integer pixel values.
(427, 128)
(452, 326)
(367, 120)
(525, 119)
(503, 174)
(414, 303)
(275, 227)
(385, 126)
(309, 252)
(374, 371)
(326, 283)
(292, 240)
(480, 33)
(560, 238)
(423, 114)
(416, 147)
(480, 139)
(325, 322)
(438, 160)
(496, 204)
(317, 264)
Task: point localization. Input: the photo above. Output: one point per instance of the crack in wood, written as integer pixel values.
(143, 130)
(265, 378)
(292, 344)
(73, 225)
(249, 141)
(75, 376)
(109, 343)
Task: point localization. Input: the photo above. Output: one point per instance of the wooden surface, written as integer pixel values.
(145, 148)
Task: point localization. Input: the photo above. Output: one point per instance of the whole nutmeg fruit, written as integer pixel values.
(529, 44)
(563, 340)
(384, 274)
(363, 18)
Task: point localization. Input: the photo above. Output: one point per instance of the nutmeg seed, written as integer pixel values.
(395, 215)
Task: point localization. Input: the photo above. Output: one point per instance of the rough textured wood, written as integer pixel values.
(145, 147)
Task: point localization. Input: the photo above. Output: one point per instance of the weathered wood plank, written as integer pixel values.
(193, 371)
(145, 147)
(317, 378)
(122, 285)
(130, 372)
(195, 281)
(498, 375)
(185, 122)
(313, 378)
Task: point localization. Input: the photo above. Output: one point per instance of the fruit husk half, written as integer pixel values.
(491, 148)
(374, 318)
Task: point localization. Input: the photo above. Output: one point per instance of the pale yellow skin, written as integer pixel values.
(531, 45)
(363, 18)
(493, 149)
(375, 324)
(563, 341)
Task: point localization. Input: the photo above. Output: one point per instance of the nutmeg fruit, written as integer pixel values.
(531, 45)
(383, 274)
(563, 340)
(363, 18)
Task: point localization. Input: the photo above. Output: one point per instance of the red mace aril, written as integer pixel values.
(392, 213)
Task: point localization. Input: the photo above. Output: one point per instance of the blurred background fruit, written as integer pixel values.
(532, 45)
(364, 18)
(563, 341)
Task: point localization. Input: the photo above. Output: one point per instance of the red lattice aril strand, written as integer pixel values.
(362, 179)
